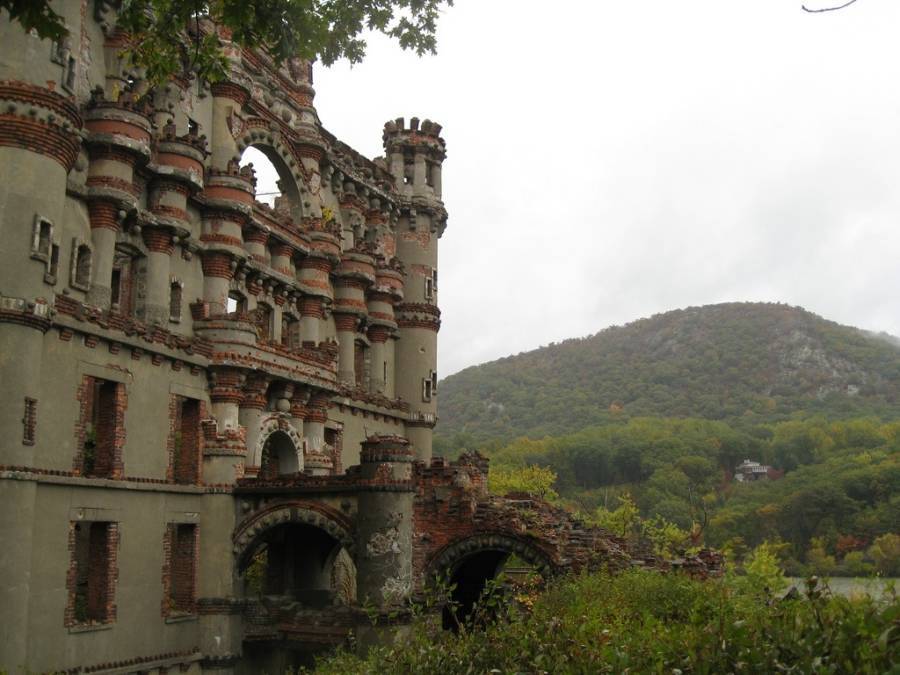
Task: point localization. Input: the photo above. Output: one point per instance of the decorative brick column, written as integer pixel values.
(159, 250)
(218, 270)
(345, 326)
(311, 313)
(378, 336)
(118, 140)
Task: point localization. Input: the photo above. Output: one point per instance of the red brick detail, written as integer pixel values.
(180, 162)
(226, 387)
(29, 422)
(185, 442)
(109, 153)
(256, 236)
(379, 334)
(100, 430)
(48, 139)
(170, 211)
(311, 306)
(216, 264)
(158, 240)
(92, 573)
(345, 322)
(316, 263)
(181, 553)
(161, 186)
(118, 128)
(284, 250)
(115, 183)
(229, 193)
(104, 215)
(230, 90)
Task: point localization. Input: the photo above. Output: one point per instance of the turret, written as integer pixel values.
(415, 154)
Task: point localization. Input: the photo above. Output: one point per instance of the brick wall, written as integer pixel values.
(181, 552)
(185, 442)
(100, 430)
(92, 573)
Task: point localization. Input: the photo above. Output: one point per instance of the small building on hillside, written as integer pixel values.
(748, 471)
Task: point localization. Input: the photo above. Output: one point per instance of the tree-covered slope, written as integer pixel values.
(716, 362)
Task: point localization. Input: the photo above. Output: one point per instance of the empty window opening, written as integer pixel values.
(267, 175)
(181, 573)
(429, 288)
(53, 266)
(175, 293)
(81, 268)
(193, 127)
(102, 414)
(426, 388)
(29, 421)
(290, 331)
(92, 565)
(276, 185)
(115, 288)
(360, 359)
(43, 236)
(236, 303)
(186, 441)
(71, 72)
(263, 319)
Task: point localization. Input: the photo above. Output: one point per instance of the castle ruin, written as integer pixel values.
(217, 415)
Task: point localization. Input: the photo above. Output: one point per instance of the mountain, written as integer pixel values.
(750, 360)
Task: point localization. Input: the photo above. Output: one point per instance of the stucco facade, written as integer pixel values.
(217, 415)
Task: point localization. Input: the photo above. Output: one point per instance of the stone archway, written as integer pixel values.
(290, 169)
(275, 435)
(469, 564)
(293, 550)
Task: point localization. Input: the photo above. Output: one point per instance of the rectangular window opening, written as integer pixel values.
(93, 559)
(29, 422)
(186, 445)
(182, 568)
(101, 430)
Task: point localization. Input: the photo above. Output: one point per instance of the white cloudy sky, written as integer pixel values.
(611, 159)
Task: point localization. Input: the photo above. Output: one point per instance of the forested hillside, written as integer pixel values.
(736, 360)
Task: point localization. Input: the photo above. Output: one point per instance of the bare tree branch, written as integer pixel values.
(826, 9)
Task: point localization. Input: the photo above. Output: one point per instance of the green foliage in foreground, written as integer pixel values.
(646, 622)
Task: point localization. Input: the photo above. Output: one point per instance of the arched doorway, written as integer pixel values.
(279, 456)
(468, 566)
(295, 561)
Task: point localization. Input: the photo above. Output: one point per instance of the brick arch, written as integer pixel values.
(272, 425)
(256, 133)
(248, 534)
(451, 555)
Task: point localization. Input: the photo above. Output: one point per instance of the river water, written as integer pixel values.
(850, 586)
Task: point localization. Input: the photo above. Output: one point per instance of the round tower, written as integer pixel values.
(415, 153)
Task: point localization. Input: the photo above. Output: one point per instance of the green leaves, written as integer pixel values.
(179, 37)
(646, 622)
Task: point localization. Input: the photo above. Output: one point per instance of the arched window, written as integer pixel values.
(275, 185)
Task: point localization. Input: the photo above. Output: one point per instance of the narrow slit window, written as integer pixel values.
(175, 298)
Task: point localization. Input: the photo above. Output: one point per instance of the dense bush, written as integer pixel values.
(646, 622)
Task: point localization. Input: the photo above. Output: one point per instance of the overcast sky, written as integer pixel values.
(609, 159)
